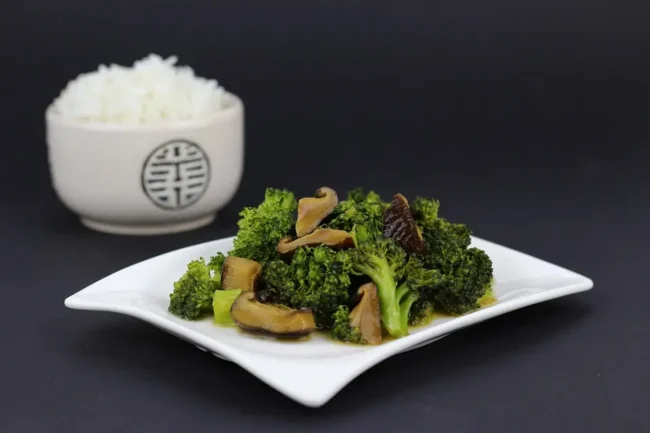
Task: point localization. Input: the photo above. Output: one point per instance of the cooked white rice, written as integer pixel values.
(152, 90)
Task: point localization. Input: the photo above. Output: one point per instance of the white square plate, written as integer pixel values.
(313, 371)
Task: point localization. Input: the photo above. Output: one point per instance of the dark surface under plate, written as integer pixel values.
(527, 119)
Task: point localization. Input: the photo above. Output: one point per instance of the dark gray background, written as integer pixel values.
(528, 119)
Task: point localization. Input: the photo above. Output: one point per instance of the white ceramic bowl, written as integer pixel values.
(147, 179)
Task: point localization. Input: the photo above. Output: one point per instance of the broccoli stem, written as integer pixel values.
(392, 302)
(405, 308)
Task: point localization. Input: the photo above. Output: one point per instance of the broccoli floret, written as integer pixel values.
(365, 234)
(417, 276)
(278, 277)
(421, 312)
(465, 283)
(425, 211)
(348, 214)
(400, 280)
(262, 227)
(445, 243)
(341, 328)
(416, 279)
(359, 209)
(317, 278)
(382, 261)
(466, 272)
(358, 195)
(192, 295)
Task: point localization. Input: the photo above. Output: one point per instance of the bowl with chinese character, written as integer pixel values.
(150, 149)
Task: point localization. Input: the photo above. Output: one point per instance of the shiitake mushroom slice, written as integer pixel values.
(400, 226)
(336, 239)
(313, 210)
(271, 319)
(239, 273)
(366, 316)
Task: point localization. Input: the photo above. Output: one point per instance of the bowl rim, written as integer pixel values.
(233, 107)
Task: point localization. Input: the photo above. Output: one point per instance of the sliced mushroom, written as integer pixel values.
(239, 273)
(313, 210)
(365, 316)
(271, 319)
(332, 238)
(400, 225)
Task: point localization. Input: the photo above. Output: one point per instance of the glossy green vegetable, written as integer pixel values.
(341, 329)
(262, 227)
(317, 278)
(443, 275)
(192, 295)
(222, 301)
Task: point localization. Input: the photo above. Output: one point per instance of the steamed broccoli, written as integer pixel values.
(359, 209)
(192, 295)
(349, 213)
(358, 195)
(465, 282)
(416, 280)
(421, 312)
(465, 272)
(222, 301)
(425, 211)
(447, 276)
(317, 278)
(400, 280)
(416, 276)
(366, 234)
(262, 227)
(445, 243)
(380, 260)
(341, 328)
